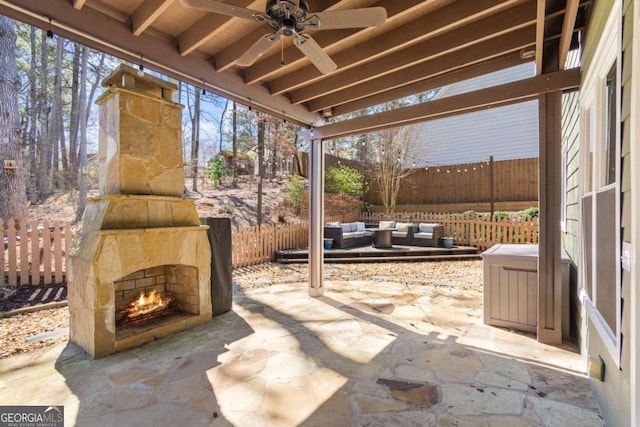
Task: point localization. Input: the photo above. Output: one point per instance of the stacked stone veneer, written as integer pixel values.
(139, 221)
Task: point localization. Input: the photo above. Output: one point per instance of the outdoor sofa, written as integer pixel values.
(428, 235)
(348, 234)
(403, 231)
(352, 234)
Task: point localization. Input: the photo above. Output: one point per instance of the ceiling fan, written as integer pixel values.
(290, 18)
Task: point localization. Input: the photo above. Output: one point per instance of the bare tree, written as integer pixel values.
(59, 146)
(33, 165)
(44, 109)
(195, 138)
(393, 152)
(261, 129)
(13, 199)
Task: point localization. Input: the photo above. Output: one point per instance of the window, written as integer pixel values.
(600, 189)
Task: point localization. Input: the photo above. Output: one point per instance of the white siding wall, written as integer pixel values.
(509, 132)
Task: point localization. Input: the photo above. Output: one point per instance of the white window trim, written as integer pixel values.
(563, 185)
(592, 96)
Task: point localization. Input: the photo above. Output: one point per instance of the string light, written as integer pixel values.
(50, 35)
(141, 67)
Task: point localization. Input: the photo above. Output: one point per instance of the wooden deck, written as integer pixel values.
(370, 254)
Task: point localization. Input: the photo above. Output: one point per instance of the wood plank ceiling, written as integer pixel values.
(424, 44)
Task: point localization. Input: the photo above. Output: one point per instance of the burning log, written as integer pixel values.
(146, 304)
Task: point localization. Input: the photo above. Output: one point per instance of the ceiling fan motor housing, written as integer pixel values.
(287, 17)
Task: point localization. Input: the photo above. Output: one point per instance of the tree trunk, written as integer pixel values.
(74, 118)
(195, 139)
(82, 101)
(13, 199)
(44, 179)
(260, 167)
(60, 152)
(234, 147)
(33, 164)
(274, 150)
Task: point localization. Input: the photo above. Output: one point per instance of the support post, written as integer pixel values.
(549, 248)
(316, 218)
(492, 185)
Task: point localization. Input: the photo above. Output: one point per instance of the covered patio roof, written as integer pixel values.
(424, 44)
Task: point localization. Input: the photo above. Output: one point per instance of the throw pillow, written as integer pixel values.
(384, 225)
(360, 226)
(402, 226)
(333, 224)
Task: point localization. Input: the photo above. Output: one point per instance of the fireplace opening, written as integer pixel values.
(147, 306)
(155, 297)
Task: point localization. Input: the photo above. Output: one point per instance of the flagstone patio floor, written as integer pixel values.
(375, 352)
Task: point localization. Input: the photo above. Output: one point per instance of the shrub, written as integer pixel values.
(294, 193)
(532, 212)
(470, 214)
(343, 180)
(500, 214)
(216, 169)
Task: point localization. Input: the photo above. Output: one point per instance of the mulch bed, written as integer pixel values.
(31, 295)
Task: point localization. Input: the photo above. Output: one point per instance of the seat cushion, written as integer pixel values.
(385, 225)
(426, 228)
(423, 235)
(399, 233)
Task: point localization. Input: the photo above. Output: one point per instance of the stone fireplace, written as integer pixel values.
(139, 234)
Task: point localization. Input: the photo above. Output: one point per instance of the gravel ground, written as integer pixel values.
(30, 331)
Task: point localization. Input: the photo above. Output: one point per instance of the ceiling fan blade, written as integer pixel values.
(221, 8)
(257, 49)
(352, 18)
(314, 52)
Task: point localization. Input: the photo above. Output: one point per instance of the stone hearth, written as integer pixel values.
(139, 232)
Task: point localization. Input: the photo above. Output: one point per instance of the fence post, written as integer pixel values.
(11, 236)
(24, 252)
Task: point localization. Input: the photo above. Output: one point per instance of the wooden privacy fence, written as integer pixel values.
(255, 245)
(37, 253)
(477, 230)
(33, 252)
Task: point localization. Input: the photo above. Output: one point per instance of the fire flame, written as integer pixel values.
(145, 304)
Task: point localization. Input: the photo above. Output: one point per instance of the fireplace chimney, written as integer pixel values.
(139, 232)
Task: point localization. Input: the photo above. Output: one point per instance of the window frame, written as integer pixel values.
(593, 105)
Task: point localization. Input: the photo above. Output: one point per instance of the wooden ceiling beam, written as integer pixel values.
(207, 27)
(78, 4)
(568, 26)
(427, 26)
(493, 26)
(484, 98)
(114, 37)
(540, 24)
(270, 68)
(442, 80)
(146, 13)
(511, 42)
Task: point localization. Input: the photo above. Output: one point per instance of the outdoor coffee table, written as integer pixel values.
(382, 237)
